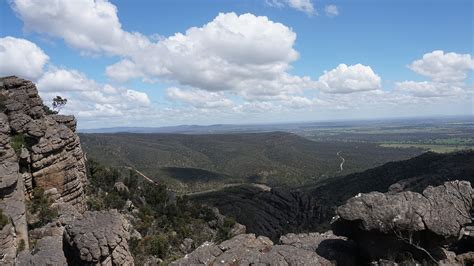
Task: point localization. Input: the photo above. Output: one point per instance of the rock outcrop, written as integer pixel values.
(407, 225)
(247, 249)
(36, 150)
(51, 157)
(47, 251)
(12, 197)
(98, 238)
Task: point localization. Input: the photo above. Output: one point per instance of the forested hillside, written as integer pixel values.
(199, 162)
(307, 209)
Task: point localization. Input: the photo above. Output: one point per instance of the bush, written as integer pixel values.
(41, 206)
(224, 230)
(113, 201)
(21, 245)
(3, 106)
(48, 110)
(158, 246)
(3, 219)
(18, 142)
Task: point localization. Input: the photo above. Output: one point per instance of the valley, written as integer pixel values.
(194, 162)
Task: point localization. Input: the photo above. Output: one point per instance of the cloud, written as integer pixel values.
(331, 10)
(349, 79)
(305, 6)
(22, 58)
(443, 67)
(88, 25)
(62, 80)
(245, 54)
(428, 89)
(123, 71)
(199, 98)
(87, 98)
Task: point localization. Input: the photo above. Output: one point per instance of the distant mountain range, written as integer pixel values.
(287, 127)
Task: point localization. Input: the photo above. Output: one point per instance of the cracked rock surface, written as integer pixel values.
(247, 249)
(98, 238)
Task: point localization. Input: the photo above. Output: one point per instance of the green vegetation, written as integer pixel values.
(21, 245)
(191, 163)
(4, 220)
(310, 208)
(224, 231)
(19, 141)
(3, 106)
(48, 110)
(40, 206)
(163, 219)
(438, 148)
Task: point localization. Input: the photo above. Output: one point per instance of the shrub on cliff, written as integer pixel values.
(3, 219)
(41, 207)
(3, 107)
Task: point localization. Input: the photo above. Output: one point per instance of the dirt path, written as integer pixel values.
(261, 186)
(140, 173)
(342, 163)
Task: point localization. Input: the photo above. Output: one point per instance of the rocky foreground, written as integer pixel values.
(430, 227)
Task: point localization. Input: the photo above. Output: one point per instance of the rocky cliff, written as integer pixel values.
(41, 162)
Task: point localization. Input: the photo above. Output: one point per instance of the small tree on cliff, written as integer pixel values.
(59, 103)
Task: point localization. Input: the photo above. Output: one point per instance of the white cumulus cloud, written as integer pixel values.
(444, 67)
(349, 79)
(21, 58)
(88, 25)
(428, 88)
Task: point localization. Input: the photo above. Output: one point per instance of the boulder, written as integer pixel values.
(247, 249)
(98, 238)
(334, 248)
(406, 225)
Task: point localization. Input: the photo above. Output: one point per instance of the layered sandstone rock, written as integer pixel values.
(36, 150)
(12, 200)
(52, 157)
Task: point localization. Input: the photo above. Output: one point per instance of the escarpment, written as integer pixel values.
(48, 152)
(42, 187)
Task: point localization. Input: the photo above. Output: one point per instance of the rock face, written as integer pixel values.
(396, 225)
(98, 238)
(12, 197)
(250, 250)
(36, 150)
(47, 251)
(52, 157)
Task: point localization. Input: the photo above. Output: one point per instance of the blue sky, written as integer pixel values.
(294, 69)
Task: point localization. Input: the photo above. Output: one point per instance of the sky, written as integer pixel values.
(172, 62)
